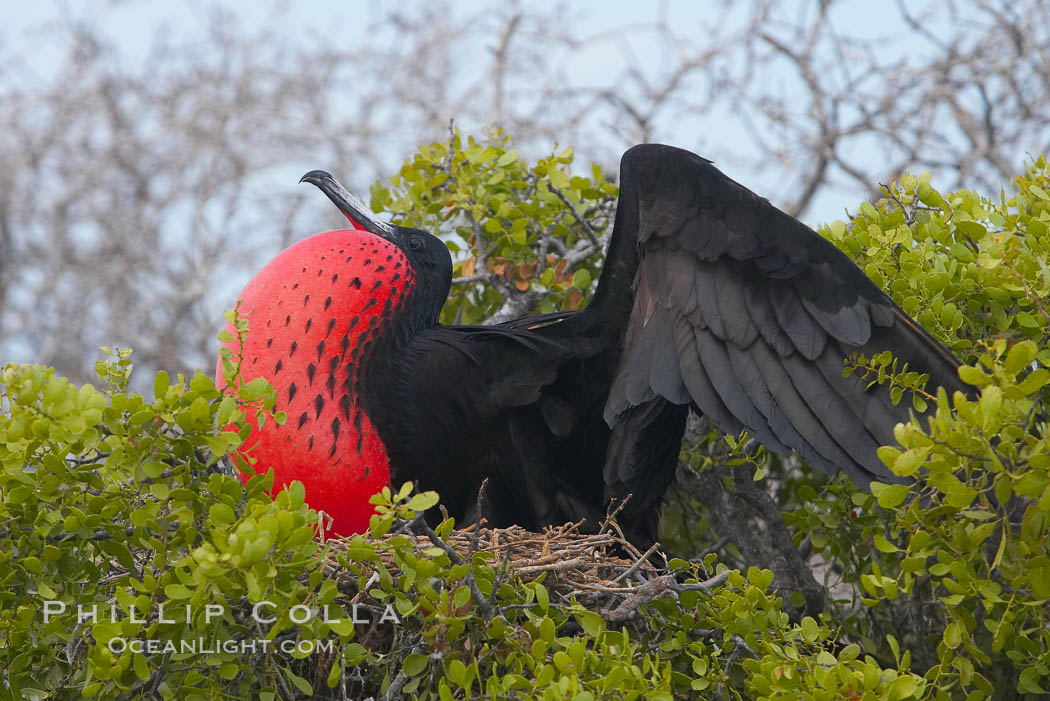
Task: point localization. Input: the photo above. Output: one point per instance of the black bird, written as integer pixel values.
(711, 300)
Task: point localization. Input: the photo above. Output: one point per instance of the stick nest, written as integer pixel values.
(575, 562)
(603, 571)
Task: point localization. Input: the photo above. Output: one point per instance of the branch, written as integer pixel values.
(583, 222)
(482, 603)
(516, 306)
(654, 588)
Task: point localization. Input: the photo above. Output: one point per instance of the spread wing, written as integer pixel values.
(747, 314)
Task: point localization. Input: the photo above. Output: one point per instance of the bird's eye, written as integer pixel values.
(415, 242)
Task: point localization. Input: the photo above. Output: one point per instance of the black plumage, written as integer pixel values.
(710, 299)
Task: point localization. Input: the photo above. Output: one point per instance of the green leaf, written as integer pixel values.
(810, 629)
(423, 501)
(903, 687)
(161, 382)
(221, 514)
(1020, 355)
(334, 674)
(119, 550)
(1028, 682)
(888, 455)
(547, 630)
(889, 496)
(591, 623)
(928, 196)
(457, 672)
(255, 389)
(507, 158)
(849, 653)
(301, 684)
(226, 407)
(999, 552)
(894, 647)
(974, 376)
(1035, 381)
(414, 664)
(908, 462)
(1028, 321)
(541, 596)
(141, 667)
(883, 545)
(177, 591)
(153, 469)
(203, 383)
(953, 635)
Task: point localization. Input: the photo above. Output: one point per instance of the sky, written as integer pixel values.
(34, 41)
(29, 32)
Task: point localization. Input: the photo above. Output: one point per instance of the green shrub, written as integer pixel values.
(937, 589)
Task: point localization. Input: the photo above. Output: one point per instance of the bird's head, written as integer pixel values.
(427, 254)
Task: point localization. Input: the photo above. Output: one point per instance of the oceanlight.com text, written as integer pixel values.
(203, 646)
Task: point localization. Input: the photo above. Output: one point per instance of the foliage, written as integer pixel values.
(117, 505)
(534, 234)
(937, 588)
(974, 272)
(955, 565)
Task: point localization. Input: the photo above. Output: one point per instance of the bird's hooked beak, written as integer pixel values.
(354, 210)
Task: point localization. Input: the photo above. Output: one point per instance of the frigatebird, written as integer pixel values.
(710, 300)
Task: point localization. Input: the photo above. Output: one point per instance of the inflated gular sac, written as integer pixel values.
(312, 313)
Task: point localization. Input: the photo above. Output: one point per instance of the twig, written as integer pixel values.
(583, 222)
(638, 563)
(561, 565)
(740, 645)
(394, 691)
(487, 608)
(654, 588)
(477, 522)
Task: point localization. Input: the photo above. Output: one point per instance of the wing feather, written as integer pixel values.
(720, 370)
(696, 379)
(805, 332)
(761, 312)
(731, 299)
